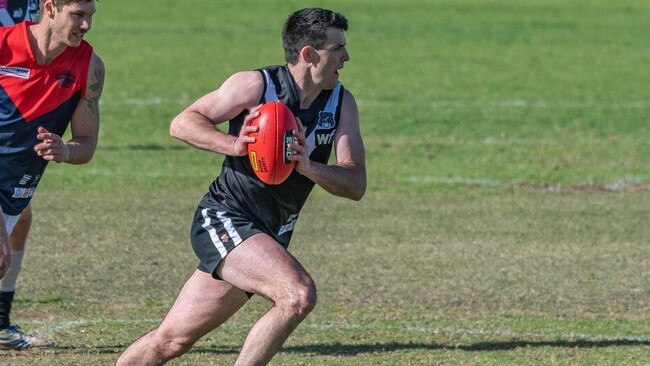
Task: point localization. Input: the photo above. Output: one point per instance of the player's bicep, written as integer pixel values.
(85, 120)
(95, 86)
(349, 147)
(241, 91)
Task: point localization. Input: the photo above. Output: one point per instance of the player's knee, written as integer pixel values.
(303, 299)
(168, 347)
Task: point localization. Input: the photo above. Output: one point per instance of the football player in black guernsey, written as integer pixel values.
(242, 227)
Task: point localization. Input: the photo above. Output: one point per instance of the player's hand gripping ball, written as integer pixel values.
(268, 154)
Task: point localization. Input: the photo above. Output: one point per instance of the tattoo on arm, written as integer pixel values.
(93, 105)
(96, 87)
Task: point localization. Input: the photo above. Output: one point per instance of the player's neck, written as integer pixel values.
(308, 91)
(43, 43)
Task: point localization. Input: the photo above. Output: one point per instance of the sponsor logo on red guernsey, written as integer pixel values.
(18, 72)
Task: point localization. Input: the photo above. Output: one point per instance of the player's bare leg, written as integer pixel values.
(18, 237)
(12, 336)
(202, 305)
(260, 265)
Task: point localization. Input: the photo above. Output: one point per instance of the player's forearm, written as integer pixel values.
(80, 150)
(344, 181)
(198, 131)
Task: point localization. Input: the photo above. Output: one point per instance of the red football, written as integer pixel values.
(268, 154)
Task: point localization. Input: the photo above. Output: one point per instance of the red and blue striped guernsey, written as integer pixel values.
(33, 95)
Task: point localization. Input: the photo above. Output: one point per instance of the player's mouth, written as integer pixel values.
(78, 34)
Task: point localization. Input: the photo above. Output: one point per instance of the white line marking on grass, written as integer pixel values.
(50, 328)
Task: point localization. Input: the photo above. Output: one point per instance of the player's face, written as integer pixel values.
(332, 57)
(73, 21)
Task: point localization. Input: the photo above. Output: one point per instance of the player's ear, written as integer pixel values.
(309, 54)
(48, 9)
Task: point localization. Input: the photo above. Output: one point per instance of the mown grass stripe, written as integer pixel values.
(63, 325)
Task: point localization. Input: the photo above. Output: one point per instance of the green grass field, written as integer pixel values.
(508, 207)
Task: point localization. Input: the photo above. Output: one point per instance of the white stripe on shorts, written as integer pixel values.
(213, 233)
(227, 224)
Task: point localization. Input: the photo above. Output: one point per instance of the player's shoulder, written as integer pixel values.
(97, 64)
(348, 99)
(347, 93)
(247, 76)
(245, 83)
(95, 78)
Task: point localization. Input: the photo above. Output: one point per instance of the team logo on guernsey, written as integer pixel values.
(325, 133)
(65, 78)
(325, 119)
(16, 72)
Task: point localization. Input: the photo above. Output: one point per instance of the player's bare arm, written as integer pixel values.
(346, 178)
(196, 124)
(84, 124)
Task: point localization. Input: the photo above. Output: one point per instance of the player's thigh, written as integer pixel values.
(19, 234)
(203, 304)
(262, 266)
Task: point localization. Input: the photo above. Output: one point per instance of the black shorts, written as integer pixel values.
(215, 233)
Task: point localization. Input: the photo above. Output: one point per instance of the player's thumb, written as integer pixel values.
(42, 129)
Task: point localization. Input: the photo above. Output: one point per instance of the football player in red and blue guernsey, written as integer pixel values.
(13, 12)
(49, 78)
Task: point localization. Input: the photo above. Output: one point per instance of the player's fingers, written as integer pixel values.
(301, 128)
(42, 133)
(248, 129)
(43, 149)
(45, 137)
(49, 153)
(297, 148)
(300, 137)
(254, 113)
(256, 108)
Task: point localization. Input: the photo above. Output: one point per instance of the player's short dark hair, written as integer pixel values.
(308, 27)
(60, 3)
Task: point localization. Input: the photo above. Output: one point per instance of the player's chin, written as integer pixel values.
(331, 83)
(74, 43)
(75, 40)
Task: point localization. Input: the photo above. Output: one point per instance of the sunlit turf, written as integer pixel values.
(506, 216)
